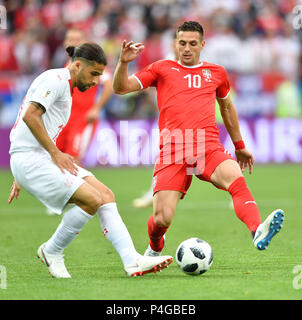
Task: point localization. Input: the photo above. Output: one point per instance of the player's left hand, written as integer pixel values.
(14, 191)
(245, 159)
(130, 51)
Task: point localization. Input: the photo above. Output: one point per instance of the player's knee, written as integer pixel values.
(95, 201)
(107, 196)
(163, 216)
(226, 173)
(232, 177)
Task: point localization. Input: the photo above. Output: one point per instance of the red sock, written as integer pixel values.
(156, 233)
(245, 206)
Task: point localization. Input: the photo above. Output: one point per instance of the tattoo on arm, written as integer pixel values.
(38, 106)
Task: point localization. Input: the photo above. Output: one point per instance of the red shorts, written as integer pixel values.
(178, 174)
(75, 138)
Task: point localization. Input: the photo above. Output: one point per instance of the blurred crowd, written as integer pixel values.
(247, 37)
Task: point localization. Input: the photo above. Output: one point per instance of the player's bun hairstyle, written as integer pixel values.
(88, 51)
(191, 26)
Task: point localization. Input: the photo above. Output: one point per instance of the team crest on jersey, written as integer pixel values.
(207, 75)
(47, 93)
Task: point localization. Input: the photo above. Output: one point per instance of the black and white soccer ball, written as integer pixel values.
(194, 256)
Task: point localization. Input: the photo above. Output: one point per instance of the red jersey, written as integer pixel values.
(186, 95)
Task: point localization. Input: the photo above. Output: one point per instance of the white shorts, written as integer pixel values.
(40, 176)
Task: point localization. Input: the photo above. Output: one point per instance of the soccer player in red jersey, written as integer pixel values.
(189, 144)
(75, 138)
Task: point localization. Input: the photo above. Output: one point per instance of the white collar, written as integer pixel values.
(195, 66)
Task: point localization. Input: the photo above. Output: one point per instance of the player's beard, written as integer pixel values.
(81, 85)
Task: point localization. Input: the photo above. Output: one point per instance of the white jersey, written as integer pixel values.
(52, 90)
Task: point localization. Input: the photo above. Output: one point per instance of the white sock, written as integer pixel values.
(72, 223)
(116, 232)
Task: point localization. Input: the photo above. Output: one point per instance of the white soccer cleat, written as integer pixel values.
(146, 265)
(151, 253)
(145, 201)
(54, 263)
(268, 229)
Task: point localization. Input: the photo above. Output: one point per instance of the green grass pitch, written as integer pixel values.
(239, 271)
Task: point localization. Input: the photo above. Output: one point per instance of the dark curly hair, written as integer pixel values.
(89, 51)
(191, 26)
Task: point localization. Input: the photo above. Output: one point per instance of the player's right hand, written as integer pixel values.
(130, 51)
(14, 191)
(65, 162)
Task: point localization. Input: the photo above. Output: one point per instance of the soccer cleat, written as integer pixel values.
(145, 201)
(268, 229)
(146, 265)
(151, 253)
(54, 263)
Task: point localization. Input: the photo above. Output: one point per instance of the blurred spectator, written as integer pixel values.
(31, 49)
(77, 11)
(253, 39)
(23, 14)
(51, 13)
(8, 61)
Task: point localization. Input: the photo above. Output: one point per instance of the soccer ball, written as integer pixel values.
(194, 256)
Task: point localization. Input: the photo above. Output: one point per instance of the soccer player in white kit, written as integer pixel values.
(54, 178)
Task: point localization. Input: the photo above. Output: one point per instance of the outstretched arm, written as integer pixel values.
(122, 83)
(231, 122)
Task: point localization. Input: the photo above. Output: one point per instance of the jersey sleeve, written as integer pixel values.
(47, 92)
(147, 77)
(223, 89)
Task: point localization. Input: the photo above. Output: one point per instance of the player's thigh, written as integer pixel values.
(226, 173)
(164, 206)
(40, 176)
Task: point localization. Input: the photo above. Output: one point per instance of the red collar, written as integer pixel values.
(71, 89)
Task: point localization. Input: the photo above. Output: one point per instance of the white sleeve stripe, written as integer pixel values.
(225, 96)
(141, 85)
